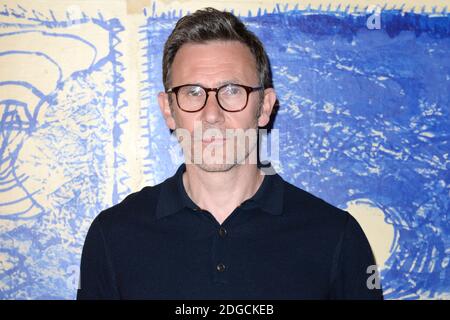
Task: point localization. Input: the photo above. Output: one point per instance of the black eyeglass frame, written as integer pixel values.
(247, 89)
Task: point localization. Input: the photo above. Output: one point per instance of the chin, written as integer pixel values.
(216, 167)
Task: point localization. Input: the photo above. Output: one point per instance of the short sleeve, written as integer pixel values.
(97, 279)
(354, 267)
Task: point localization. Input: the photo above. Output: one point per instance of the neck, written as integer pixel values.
(221, 192)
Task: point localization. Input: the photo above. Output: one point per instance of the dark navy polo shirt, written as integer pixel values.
(282, 243)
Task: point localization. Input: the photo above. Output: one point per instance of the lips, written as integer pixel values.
(213, 140)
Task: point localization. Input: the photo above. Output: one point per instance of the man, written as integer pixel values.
(220, 228)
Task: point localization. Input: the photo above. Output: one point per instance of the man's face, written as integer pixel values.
(212, 65)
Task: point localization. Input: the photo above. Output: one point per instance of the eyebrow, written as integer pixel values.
(221, 83)
(232, 80)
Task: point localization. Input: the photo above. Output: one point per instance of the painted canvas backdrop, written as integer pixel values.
(363, 123)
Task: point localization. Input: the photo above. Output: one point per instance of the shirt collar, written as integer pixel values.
(173, 196)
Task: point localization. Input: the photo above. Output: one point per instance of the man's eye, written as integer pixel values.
(231, 90)
(195, 91)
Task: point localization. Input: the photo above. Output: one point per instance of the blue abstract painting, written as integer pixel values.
(364, 115)
(60, 123)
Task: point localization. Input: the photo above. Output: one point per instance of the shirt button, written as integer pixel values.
(221, 267)
(222, 232)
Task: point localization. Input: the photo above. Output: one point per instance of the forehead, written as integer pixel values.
(214, 61)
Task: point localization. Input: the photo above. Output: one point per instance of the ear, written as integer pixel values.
(163, 101)
(268, 103)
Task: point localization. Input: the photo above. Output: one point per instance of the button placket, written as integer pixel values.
(220, 255)
(221, 267)
(223, 232)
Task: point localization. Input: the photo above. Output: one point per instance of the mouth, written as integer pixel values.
(208, 140)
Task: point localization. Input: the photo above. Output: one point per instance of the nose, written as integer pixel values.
(212, 113)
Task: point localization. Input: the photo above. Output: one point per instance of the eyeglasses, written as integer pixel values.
(230, 97)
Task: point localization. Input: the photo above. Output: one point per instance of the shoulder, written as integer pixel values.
(133, 209)
(302, 204)
(321, 219)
